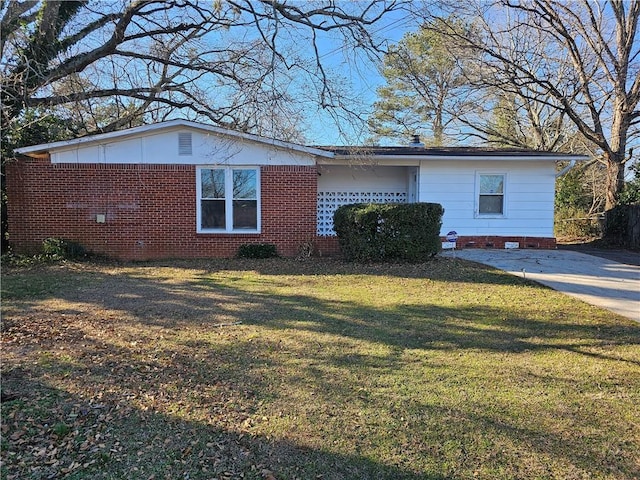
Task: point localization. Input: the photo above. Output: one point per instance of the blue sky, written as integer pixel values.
(361, 75)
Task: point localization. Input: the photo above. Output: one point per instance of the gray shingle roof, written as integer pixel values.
(439, 151)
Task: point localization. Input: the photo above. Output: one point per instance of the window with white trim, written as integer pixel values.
(490, 188)
(228, 200)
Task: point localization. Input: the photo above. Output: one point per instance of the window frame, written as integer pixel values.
(478, 194)
(228, 199)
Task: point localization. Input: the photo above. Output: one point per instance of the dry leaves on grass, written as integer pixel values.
(83, 389)
(129, 375)
(58, 440)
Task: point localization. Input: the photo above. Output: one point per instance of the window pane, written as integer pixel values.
(245, 214)
(491, 184)
(491, 204)
(212, 181)
(212, 214)
(244, 184)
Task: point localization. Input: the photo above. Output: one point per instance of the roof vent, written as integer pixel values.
(416, 143)
(184, 143)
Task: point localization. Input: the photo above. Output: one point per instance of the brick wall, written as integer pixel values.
(327, 246)
(150, 210)
(499, 242)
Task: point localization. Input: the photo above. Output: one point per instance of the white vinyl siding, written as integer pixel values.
(167, 148)
(528, 203)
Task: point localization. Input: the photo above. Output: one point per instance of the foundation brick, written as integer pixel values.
(329, 246)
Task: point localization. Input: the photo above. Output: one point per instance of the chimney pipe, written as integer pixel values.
(416, 141)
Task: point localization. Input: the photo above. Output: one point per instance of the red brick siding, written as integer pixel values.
(498, 242)
(150, 209)
(327, 246)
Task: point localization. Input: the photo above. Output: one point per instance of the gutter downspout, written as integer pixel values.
(566, 169)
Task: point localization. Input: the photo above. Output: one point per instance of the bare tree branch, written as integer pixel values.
(588, 71)
(180, 55)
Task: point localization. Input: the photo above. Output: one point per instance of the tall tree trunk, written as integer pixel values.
(615, 178)
(615, 157)
(438, 128)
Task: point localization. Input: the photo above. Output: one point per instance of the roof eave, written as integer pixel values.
(453, 157)
(45, 148)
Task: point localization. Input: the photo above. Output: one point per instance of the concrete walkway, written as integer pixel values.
(598, 281)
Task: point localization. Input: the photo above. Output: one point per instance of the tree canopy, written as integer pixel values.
(243, 64)
(578, 60)
(426, 88)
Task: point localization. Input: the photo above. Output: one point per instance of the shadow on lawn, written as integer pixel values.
(99, 323)
(203, 301)
(189, 409)
(439, 269)
(407, 326)
(49, 433)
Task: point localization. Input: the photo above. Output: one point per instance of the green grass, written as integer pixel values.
(262, 369)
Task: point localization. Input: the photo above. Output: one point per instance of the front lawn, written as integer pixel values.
(279, 369)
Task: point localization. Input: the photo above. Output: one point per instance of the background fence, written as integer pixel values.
(622, 225)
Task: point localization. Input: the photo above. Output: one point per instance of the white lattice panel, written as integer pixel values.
(328, 203)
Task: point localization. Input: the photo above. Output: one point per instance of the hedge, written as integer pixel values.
(382, 232)
(257, 250)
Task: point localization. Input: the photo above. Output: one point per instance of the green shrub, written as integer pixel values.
(631, 192)
(576, 223)
(60, 248)
(379, 232)
(61, 429)
(257, 250)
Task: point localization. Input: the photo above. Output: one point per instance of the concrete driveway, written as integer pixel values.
(595, 280)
